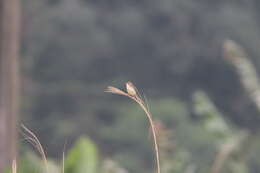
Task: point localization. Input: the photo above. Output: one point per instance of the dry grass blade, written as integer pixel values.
(149, 116)
(14, 166)
(32, 138)
(32, 142)
(114, 90)
(63, 157)
(133, 94)
(226, 150)
(63, 162)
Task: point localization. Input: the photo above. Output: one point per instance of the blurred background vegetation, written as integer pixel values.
(173, 51)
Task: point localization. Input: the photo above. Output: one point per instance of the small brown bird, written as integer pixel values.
(131, 89)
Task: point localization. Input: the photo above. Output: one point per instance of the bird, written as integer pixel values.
(131, 89)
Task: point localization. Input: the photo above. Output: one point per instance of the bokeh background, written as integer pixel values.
(172, 50)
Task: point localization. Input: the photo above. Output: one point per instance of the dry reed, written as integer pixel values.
(32, 138)
(132, 93)
(14, 166)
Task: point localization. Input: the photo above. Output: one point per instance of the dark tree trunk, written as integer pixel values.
(9, 83)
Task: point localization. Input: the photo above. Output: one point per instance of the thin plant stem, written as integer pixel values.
(63, 162)
(14, 166)
(63, 158)
(32, 138)
(133, 94)
(156, 148)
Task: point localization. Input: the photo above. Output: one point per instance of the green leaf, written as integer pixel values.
(82, 158)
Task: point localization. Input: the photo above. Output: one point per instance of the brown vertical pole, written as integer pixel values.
(9, 82)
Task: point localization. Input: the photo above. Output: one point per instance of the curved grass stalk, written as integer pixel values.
(32, 138)
(133, 94)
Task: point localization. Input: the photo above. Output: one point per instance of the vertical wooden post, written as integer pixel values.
(9, 82)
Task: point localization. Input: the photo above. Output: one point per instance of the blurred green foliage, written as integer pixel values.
(82, 158)
(185, 145)
(73, 49)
